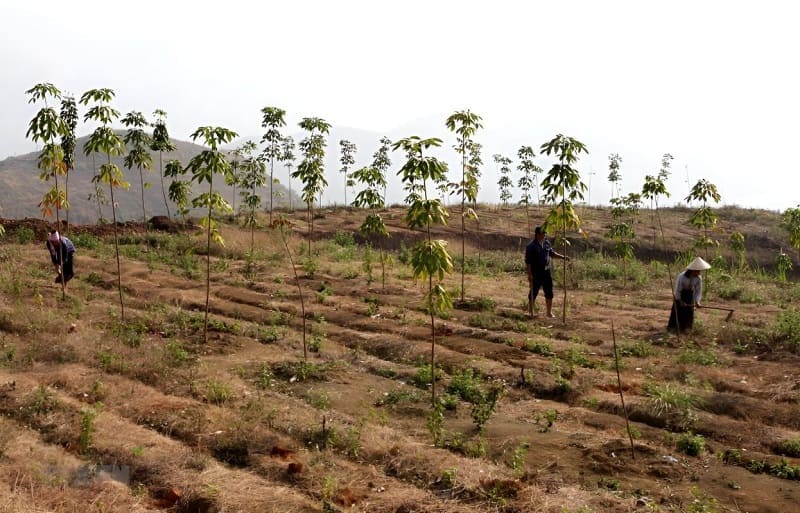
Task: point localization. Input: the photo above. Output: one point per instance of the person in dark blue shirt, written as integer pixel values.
(538, 253)
(61, 254)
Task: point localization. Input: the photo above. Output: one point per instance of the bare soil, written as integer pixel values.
(240, 424)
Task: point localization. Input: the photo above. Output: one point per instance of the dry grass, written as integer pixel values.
(159, 417)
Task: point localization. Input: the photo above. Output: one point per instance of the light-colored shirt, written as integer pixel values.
(695, 284)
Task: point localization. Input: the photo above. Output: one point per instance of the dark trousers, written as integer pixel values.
(541, 280)
(67, 269)
(681, 318)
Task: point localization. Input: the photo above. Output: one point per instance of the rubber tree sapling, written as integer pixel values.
(234, 179)
(381, 160)
(528, 180)
(562, 187)
(288, 157)
(161, 143)
(429, 258)
(347, 159)
(104, 140)
(653, 189)
(284, 227)
(69, 114)
(253, 175)
(614, 176)
(790, 221)
(371, 197)
(624, 212)
(45, 127)
(704, 217)
(783, 265)
(504, 183)
(203, 167)
(138, 141)
(474, 165)
(736, 242)
(465, 124)
(179, 189)
(272, 119)
(311, 170)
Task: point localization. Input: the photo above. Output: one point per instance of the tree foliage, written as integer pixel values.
(179, 189)
(371, 196)
(203, 167)
(272, 120)
(504, 183)
(104, 140)
(47, 127)
(161, 142)
(465, 124)
(614, 175)
(528, 181)
(704, 217)
(288, 158)
(311, 170)
(429, 258)
(347, 159)
(69, 115)
(138, 141)
(790, 221)
(562, 187)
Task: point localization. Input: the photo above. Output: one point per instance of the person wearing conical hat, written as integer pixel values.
(687, 295)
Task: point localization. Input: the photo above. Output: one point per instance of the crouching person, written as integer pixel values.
(61, 251)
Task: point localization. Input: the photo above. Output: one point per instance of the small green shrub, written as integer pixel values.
(697, 356)
(483, 409)
(300, 370)
(691, 444)
(640, 349)
(517, 463)
(787, 329)
(24, 235)
(344, 239)
(578, 356)
(218, 393)
(538, 347)
(404, 254)
(264, 376)
(86, 241)
(88, 416)
(318, 399)
(608, 483)
(466, 385)
(399, 395)
(424, 376)
(268, 335)
(702, 502)
(789, 448)
(175, 354)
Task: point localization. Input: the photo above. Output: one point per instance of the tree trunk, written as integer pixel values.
(163, 189)
(116, 249)
(208, 263)
(141, 184)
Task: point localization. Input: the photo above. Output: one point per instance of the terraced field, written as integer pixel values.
(101, 415)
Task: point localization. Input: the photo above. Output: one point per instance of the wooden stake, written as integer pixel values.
(621, 397)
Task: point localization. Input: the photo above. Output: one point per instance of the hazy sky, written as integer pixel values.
(715, 83)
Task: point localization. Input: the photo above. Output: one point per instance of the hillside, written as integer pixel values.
(21, 190)
(330, 411)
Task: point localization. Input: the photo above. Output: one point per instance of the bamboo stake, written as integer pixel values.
(619, 385)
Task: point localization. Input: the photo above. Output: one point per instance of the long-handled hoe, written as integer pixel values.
(729, 310)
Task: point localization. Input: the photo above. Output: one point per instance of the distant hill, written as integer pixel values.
(21, 190)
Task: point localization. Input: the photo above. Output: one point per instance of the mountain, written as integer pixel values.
(21, 190)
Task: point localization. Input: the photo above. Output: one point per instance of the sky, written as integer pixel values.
(714, 83)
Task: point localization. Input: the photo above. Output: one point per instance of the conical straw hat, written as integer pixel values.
(698, 264)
